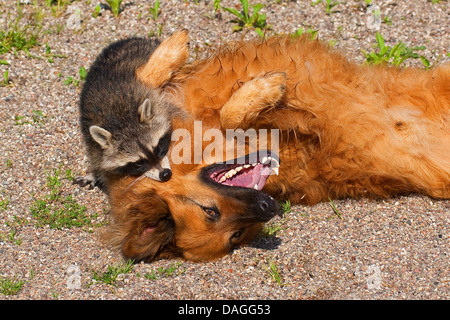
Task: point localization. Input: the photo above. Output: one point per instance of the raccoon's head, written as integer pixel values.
(139, 149)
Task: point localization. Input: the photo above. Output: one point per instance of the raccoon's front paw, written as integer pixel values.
(87, 180)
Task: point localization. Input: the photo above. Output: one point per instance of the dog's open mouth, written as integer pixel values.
(251, 171)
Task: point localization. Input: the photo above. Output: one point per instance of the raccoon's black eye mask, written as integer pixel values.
(163, 145)
(134, 168)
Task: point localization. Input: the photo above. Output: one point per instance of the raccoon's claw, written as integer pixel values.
(87, 180)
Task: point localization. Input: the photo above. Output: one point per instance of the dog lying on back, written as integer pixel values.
(345, 131)
(125, 120)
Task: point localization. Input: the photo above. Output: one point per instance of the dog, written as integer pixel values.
(193, 217)
(346, 130)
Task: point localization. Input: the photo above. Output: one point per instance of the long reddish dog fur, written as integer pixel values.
(347, 130)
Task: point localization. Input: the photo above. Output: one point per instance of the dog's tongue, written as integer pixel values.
(254, 178)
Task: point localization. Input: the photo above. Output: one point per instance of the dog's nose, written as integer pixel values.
(266, 207)
(263, 205)
(165, 175)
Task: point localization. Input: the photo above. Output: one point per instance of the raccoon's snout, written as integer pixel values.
(159, 175)
(165, 175)
(161, 172)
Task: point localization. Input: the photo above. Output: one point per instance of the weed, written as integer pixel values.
(55, 294)
(110, 276)
(57, 211)
(245, 20)
(274, 274)
(286, 206)
(75, 81)
(158, 31)
(83, 73)
(19, 122)
(300, 31)
(13, 226)
(395, 55)
(10, 287)
(270, 229)
(217, 6)
(155, 11)
(162, 272)
(9, 163)
(96, 11)
(49, 55)
(69, 175)
(329, 4)
(387, 20)
(57, 6)
(61, 213)
(37, 118)
(15, 38)
(4, 203)
(114, 5)
(6, 80)
(11, 237)
(335, 209)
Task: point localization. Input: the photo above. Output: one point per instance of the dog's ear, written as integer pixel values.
(149, 231)
(170, 55)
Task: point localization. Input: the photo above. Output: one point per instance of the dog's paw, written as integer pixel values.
(256, 95)
(271, 87)
(170, 55)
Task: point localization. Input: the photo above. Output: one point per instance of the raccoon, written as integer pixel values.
(125, 121)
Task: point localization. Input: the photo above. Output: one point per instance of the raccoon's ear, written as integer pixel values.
(170, 55)
(101, 136)
(145, 111)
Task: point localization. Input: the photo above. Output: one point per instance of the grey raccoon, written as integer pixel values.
(125, 121)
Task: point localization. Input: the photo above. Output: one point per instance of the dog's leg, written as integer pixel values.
(170, 55)
(248, 101)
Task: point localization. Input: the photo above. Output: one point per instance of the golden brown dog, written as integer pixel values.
(346, 131)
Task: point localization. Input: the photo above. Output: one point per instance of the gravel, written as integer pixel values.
(386, 249)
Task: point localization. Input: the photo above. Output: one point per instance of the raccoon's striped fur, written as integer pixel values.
(125, 123)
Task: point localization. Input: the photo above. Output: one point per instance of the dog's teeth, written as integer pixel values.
(246, 166)
(266, 160)
(275, 170)
(231, 173)
(255, 187)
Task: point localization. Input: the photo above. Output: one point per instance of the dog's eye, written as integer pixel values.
(213, 214)
(236, 236)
